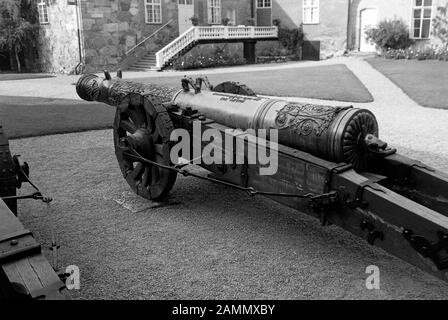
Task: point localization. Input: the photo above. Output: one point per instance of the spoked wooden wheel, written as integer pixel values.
(143, 124)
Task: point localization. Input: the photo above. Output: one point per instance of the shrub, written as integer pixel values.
(291, 39)
(251, 22)
(194, 20)
(225, 21)
(390, 34)
(275, 51)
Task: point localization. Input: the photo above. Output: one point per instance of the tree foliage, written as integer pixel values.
(18, 26)
(291, 39)
(390, 34)
(441, 24)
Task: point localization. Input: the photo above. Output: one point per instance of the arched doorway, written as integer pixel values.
(367, 18)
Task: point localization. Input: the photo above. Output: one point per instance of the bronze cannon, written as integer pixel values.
(331, 162)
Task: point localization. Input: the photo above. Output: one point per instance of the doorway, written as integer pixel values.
(186, 11)
(264, 13)
(368, 18)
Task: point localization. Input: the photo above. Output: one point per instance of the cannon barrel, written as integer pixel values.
(336, 134)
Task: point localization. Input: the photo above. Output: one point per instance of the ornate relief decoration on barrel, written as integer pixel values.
(305, 119)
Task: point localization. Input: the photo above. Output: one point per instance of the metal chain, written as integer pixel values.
(36, 195)
(251, 191)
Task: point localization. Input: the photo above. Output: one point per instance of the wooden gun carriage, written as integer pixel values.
(331, 163)
(24, 271)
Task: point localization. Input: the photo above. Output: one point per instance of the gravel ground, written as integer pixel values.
(215, 243)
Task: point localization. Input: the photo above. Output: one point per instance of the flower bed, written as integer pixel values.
(428, 53)
(208, 56)
(271, 59)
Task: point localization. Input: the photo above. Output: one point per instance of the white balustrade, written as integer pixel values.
(212, 33)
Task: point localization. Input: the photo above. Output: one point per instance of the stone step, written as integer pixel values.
(148, 60)
(144, 69)
(143, 66)
(146, 63)
(139, 69)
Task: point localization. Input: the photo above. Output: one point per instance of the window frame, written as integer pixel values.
(412, 28)
(153, 5)
(42, 10)
(264, 4)
(310, 7)
(210, 7)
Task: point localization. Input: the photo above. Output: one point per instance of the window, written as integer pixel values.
(42, 9)
(187, 2)
(263, 3)
(214, 11)
(421, 19)
(310, 11)
(153, 11)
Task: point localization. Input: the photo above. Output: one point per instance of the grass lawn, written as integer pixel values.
(426, 82)
(22, 76)
(334, 82)
(25, 117)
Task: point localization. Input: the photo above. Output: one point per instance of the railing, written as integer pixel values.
(211, 33)
(149, 37)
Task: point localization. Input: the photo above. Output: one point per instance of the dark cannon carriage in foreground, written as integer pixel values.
(331, 163)
(25, 273)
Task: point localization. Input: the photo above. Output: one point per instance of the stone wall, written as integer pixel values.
(58, 40)
(112, 27)
(331, 30)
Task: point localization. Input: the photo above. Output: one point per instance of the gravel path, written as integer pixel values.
(215, 243)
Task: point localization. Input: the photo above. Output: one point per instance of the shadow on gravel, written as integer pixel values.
(30, 116)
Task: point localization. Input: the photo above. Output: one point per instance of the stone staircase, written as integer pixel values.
(147, 63)
(156, 61)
